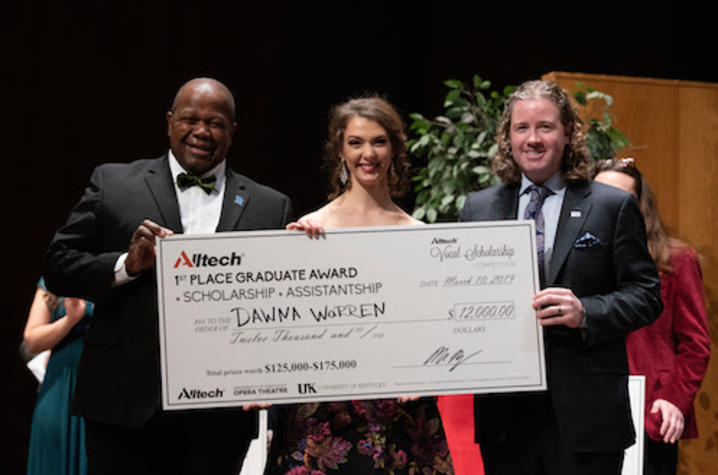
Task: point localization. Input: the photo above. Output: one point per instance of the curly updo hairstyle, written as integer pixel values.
(382, 112)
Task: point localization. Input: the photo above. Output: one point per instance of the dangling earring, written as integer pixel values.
(344, 173)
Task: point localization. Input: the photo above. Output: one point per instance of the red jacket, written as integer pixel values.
(673, 351)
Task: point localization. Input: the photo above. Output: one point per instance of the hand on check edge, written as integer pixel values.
(310, 227)
(141, 253)
(255, 405)
(404, 399)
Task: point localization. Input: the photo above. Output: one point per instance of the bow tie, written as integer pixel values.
(185, 180)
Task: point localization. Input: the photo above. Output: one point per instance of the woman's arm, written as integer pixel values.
(41, 334)
(692, 339)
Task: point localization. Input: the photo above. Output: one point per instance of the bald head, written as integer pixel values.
(206, 85)
(201, 124)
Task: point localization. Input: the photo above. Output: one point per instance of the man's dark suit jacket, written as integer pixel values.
(119, 378)
(600, 254)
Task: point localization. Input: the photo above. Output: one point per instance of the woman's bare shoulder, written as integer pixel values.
(408, 220)
(326, 216)
(317, 215)
(314, 216)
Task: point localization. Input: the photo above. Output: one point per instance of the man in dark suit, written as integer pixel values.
(105, 252)
(598, 284)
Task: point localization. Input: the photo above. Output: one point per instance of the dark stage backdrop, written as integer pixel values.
(89, 82)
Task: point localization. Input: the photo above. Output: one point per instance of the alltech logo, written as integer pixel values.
(205, 260)
(199, 394)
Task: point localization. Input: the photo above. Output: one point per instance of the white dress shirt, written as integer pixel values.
(199, 211)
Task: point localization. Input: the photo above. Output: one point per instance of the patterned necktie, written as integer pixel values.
(185, 180)
(533, 211)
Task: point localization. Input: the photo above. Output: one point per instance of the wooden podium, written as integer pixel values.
(673, 127)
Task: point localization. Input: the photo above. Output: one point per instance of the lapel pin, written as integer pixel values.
(238, 200)
(575, 213)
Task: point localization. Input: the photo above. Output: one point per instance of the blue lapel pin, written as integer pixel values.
(238, 200)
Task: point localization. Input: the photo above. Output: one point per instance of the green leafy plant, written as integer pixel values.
(459, 145)
(603, 139)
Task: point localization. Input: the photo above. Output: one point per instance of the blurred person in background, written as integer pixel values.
(673, 351)
(57, 438)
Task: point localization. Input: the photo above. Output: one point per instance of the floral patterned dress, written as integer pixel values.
(359, 437)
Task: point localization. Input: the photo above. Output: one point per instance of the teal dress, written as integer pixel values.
(57, 438)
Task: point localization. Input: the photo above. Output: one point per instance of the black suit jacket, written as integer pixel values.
(119, 378)
(611, 272)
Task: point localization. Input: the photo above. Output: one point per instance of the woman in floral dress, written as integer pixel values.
(368, 165)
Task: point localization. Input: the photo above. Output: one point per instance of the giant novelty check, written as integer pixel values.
(375, 312)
